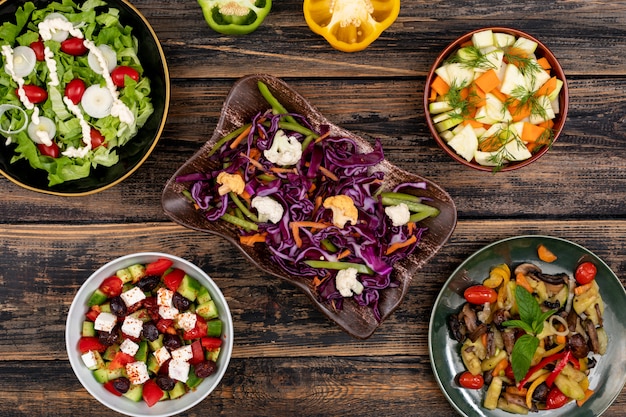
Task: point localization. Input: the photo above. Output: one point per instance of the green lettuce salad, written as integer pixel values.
(24, 112)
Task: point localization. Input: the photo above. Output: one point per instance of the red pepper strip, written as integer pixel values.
(540, 365)
(558, 368)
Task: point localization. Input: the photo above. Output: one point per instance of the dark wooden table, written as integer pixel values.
(288, 358)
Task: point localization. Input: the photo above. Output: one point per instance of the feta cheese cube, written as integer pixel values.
(137, 372)
(129, 347)
(164, 297)
(132, 296)
(105, 322)
(168, 312)
(183, 353)
(132, 326)
(90, 360)
(187, 320)
(178, 370)
(162, 355)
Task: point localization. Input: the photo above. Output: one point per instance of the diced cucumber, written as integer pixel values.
(88, 329)
(109, 354)
(153, 364)
(193, 380)
(124, 275)
(439, 107)
(438, 118)
(142, 352)
(483, 39)
(177, 391)
(134, 393)
(141, 314)
(465, 143)
(137, 271)
(546, 114)
(503, 39)
(97, 298)
(115, 373)
(157, 343)
(101, 375)
(214, 328)
(105, 307)
(203, 295)
(448, 123)
(189, 288)
(207, 310)
(213, 354)
(525, 45)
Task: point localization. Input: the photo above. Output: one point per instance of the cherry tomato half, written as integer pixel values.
(38, 47)
(556, 399)
(51, 151)
(479, 294)
(585, 273)
(74, 90)
(97, 139)
(34, 93)
(118, 75)
(74, 47)
(467, 380)
(111, 286)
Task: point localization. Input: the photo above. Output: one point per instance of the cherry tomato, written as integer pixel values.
(118, 75)
(585, 273)
(479, 294)
(158, 267)
(51, 151)
(97, 139)
(74, 46)
(75, 89)
(111, 388)
(111, 286)
(34, 93)
(467, 380)
(39, 49)
(556, 399)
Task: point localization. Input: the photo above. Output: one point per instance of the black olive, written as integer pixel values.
(541, 392)
(118, 307)
(150, 331)
(121, 384)
(180, 302)
(109, 338)
(205, 368)
(171, 342)
(578, 345)
(165, 382)
(148, 283)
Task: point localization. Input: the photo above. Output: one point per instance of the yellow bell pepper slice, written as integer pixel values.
(350, 25)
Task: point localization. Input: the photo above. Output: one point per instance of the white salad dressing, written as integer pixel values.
(54, 28)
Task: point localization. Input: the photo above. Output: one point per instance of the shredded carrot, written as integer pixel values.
(254, 162)
(521, 280)
(318, 202)
(279, 170)
(488, 81)
(547, 88)
(398, 245)
(588, 393)
(581, 289)
(483, 339)
(328, 174)
(246, 196)
(512, 389)
(440, 86)
(322, 137)
(255, 153)
(561, 339)
(309, 224)
(295, 230)
(531, 133)
(241, 137)
(500, 367)
(344, 254)
(411, 227)
(252, 239)
(544, 253)
(543, 63)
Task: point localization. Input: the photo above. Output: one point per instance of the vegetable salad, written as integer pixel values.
(314, 202)
(529, 337)
(73, 87)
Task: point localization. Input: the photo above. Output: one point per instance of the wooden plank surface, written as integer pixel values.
(288, 358)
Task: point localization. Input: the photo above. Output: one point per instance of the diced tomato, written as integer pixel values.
(120, 360)
(51, 150)
(166, 326)
(210, 343)
(97, 138)
(119, 74)
(109, 387)
(93, 312)
(112, 286)
(200, 330)
(173, 279)
(159, 266)
(197, 352)
(39, 48)
(87, 343)
(151, 392)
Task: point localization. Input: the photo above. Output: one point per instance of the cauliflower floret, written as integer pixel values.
(268, 209)
(343, 209)
(347, 284)
(399, 215)
(285, 150)
(230, 182)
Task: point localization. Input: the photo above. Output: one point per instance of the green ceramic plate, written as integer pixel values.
(607, 378)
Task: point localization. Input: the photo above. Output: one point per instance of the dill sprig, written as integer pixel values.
(522, 97)
(472, 57)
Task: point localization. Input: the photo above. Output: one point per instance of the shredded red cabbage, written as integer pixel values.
(299, 191)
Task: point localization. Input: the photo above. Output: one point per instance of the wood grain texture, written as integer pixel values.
(289, 359)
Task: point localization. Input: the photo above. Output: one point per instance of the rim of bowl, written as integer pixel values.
(79, 304)
(157, 135)
(563, 97)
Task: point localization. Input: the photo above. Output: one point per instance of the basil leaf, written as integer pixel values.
(522, 355)
(518, 323)
(526, 304)
(538, 323)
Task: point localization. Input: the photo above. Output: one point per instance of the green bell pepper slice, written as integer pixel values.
(235, 17)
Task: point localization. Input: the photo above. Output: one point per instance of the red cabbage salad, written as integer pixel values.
(314, 201)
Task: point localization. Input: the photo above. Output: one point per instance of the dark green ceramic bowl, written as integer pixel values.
(607, 378)
(137, 150)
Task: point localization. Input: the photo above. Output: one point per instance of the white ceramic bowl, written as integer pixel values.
(123, 405)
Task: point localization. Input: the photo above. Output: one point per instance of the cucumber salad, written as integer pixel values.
(151, 333)
(73, 86)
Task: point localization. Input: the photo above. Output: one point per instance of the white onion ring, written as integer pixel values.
(6, 107)
(562, 321)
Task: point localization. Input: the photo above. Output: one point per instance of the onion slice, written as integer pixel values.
(108, 55)
(97, 101)
(42, 132)
(6, 108)
(24, 60)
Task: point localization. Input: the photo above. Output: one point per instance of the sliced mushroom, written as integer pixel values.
(599, 313)
(515, 399)
(457, 327)
(469, 317)
(509, 341)
(527, 269)
(478, 332)
(491, 344)
(553, 279)
(593, 335)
